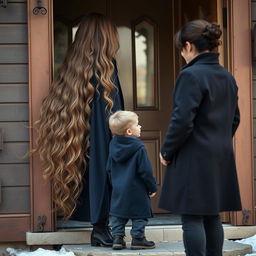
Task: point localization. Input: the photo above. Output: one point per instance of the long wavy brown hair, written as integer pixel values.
(63, 128)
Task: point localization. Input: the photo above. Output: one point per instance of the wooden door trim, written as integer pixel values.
(241, 67)
(40, 77)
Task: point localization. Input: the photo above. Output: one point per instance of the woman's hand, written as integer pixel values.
(152, 195)
(163, 162)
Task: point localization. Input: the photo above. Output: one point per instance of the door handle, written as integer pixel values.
(1, 139)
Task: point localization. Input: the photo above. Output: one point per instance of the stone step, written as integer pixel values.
(155, 233)
(162, 249)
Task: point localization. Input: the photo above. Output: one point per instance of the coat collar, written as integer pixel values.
(204, 58)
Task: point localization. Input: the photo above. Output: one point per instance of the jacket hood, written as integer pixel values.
(122, 148)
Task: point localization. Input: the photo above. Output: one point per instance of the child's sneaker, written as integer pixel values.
(142, 243)
(118, 243)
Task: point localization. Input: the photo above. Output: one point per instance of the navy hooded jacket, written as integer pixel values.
(131, 177)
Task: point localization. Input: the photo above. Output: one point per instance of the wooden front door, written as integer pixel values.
(145, 62)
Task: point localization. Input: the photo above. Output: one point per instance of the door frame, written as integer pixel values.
(240, 58)
(40, 77)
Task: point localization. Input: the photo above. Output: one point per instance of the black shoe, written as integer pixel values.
(101, 236)
(142, 243)
(118, 243)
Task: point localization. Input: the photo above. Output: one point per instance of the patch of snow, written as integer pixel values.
(39, 252)
(251, 241)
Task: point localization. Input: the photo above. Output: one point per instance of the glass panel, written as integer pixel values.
(60, 44)
(145, 68)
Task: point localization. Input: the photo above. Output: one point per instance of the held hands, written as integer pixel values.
(163, 162)
(152, 194)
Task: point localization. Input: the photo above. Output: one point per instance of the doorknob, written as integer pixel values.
(1, 139)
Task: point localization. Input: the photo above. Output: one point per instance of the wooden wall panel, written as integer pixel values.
(13, 33)
(17, 1)
(14, 200)
(19, 171)
(13, 54)
(13, 112)
(15, 131)
(13, 73)
(13, 228)
(14, 153)
(15, 13)
(14, 93)
(14, 166)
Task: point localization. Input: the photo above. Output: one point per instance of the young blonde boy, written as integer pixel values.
(132, 181)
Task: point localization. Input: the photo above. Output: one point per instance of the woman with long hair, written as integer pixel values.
(201, 179)
(73, 135)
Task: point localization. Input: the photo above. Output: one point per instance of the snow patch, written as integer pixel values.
(39, 252)
(251, 241)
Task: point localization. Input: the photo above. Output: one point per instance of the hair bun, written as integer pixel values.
(213, 33)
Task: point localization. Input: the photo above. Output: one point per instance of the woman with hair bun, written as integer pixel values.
(201, 179)
(74, 136)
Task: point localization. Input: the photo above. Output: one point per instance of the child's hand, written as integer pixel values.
(152, 195)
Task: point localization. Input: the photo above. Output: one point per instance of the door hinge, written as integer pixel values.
(41, 219)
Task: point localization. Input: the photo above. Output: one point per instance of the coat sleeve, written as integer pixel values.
(145, 171)
(186, 100)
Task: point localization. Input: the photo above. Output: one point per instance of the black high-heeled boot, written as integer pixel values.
(101, 235)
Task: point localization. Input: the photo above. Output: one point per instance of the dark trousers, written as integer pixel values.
(202, 235)
(137, 231)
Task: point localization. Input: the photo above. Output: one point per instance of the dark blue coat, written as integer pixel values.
(201, 178)
(94, 201)
(131, 177)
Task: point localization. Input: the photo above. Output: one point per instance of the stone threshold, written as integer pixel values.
(162, 249)
(156, 233)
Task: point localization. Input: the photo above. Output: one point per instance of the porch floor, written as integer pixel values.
(162, 248)
(159, 220)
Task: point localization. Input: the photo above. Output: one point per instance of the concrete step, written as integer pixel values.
(155, 233)
(162, 249)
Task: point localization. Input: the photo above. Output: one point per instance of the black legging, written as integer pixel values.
(202, 235)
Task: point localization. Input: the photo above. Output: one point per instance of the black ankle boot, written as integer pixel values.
(142, 243)
(101, 236)
(118, 243)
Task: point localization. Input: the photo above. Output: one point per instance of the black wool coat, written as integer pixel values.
(131, 177)
(94, 201)
(201, 178)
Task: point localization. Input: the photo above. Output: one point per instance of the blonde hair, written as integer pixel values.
(64, 124)
(120, 121)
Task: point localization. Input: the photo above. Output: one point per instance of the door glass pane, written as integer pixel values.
(145, 66)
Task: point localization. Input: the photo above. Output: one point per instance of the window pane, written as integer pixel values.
(144, 54)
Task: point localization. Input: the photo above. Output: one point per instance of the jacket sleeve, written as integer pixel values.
(186, 100)
(145, 171)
